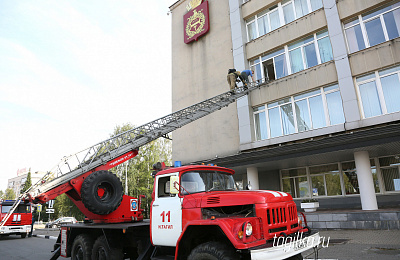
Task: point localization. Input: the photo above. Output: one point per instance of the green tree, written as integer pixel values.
(64, 207)
(10, 194)
(1, 194)
(28, 182)
(139, 169)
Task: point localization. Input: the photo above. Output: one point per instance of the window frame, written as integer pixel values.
(382, 185)
(306, 175)
(273, 61)
(377, 167)
(247, 28)
(321, 91)
(256, 19)
(302, 47)
(263, 110)
(315, 38)
(281, 16)
(377, 78)
(362, 23)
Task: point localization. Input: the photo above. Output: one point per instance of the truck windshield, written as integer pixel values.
(19, 209)
(201, 181)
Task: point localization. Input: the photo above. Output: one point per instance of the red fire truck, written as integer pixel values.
(18, 223)
(197, 212)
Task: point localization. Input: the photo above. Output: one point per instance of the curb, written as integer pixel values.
(43, 236)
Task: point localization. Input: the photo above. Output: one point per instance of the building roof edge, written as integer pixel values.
(177, 3)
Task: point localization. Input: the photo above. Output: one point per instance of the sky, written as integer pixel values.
(71, 71)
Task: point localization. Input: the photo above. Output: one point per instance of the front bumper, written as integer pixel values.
(283, 248)
(8, 230)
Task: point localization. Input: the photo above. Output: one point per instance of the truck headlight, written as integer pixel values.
(248, 229)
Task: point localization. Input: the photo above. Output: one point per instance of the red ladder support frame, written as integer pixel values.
(126, 212)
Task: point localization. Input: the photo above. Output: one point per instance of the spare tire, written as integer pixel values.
(101, 192)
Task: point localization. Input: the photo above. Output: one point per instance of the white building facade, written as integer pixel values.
(327, 124)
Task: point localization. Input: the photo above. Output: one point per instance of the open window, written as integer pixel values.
(269, 70)
(164, 187)
(274, 65)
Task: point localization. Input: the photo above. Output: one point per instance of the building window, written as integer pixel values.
(303, 54)
(251, 30)
(372, 28)
(311, 110)
(389, 167)
(279, 15)
(325, 180)
(350, 177)
(295, 182)
(310, 52)
(336, 179)
(271, 66)
(379, 92)
(316, 4)
(288, 12)
(261, 127)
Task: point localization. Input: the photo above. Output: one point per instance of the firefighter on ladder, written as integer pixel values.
(233, 77)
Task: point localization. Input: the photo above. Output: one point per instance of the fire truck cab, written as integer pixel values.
(19, 223)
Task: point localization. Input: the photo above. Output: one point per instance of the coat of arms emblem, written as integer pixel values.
(196, 22)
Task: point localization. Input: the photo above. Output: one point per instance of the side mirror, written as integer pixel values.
(174, 185)
(248, 187)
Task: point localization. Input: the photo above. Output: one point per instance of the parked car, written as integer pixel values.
(60, 221)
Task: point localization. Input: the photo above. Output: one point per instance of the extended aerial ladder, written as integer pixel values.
(72, 172)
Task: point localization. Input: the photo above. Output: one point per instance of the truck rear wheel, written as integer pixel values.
(82, 247)
(101, 192)
(213, 251)
(103, 251)
(296, 257)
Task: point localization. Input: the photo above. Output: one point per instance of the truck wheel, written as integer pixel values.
(102, 251)
(213, 251)
(82, 247)
(296, 257)
(23, 235)
(101, 192)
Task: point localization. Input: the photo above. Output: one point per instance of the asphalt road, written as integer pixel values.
(343, 245)
(360, 245)
(29, 248)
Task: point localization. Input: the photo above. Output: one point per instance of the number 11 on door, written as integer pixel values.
(168, 215)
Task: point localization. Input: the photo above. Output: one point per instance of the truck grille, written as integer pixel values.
(281, 215)
(276, 215)
(292, 213)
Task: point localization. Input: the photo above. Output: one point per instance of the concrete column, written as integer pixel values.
(365, 181)
(345, 79)
(238, 33)
(252, 177)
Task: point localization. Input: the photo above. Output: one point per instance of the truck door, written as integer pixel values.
(166, 213)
